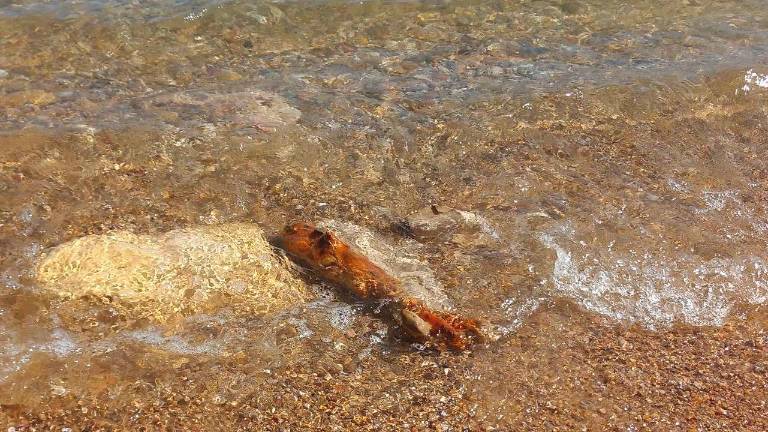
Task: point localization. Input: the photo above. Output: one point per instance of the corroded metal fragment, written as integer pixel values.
(341, 265)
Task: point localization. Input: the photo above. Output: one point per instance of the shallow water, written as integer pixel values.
(609, 159)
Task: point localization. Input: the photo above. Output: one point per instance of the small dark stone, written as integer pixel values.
(403, 228)
(570, 6)
(248, 44)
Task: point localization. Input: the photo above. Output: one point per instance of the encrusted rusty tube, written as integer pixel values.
(342, 266)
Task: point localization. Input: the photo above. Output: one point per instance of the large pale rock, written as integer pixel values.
(183, 270)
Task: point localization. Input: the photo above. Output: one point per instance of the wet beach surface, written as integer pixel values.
(608, 162)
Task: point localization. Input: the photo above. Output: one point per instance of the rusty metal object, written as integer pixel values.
(342, 266)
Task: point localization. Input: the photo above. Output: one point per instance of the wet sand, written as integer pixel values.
(563, 370)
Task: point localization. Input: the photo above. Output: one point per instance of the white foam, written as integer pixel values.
(677, 185)
(16, 350)
(717, 200)
(751, 78)
(176, 343)
(192, 16)
(655, 289)
(517, 309)
(61, 344)
(730, 201)
(301, 327)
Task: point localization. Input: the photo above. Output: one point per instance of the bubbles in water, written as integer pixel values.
(26, 215)
(717, 200)
(730, 201)
(378, 336)
(10, 281)
(58, 390)
(195, 15)
(342, 317)
(677, 185)
(323, 295)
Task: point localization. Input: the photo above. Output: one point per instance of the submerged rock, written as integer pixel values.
(24, 97)
(449, 225)
(228, 75)
(244, 109)
(183, 270)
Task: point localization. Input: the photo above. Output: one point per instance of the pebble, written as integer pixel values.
(337, 368)
(3, 73)
(349, 365)
(285, 333)
(496, 70)
(229, 75)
